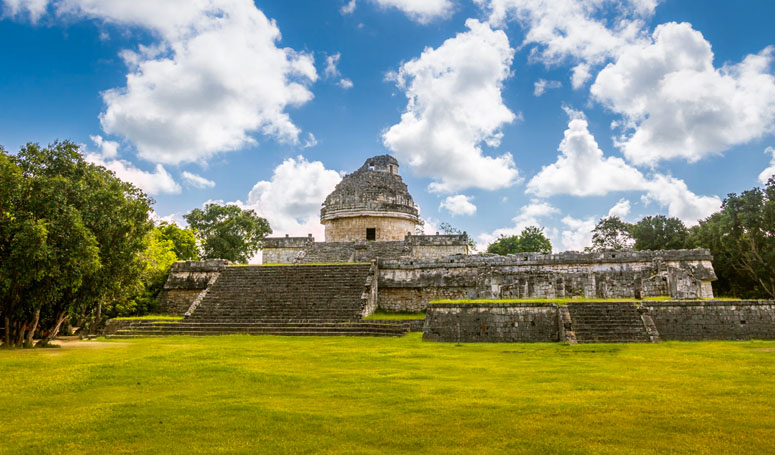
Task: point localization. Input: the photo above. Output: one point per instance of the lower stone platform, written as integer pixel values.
(603, 321)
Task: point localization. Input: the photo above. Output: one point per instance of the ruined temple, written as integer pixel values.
(369, 215)
(372, 203)
(372, 258)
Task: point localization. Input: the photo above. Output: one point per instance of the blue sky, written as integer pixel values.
(502, 113)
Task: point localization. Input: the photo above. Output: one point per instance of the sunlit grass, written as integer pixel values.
(400, 316)
(560, 301)
(262, 394)
(150, 316)
(289, 265)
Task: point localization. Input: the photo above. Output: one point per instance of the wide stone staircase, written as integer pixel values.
(607, 322)
(323, 300)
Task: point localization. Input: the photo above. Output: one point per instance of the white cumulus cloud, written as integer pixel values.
(33, 8)
(348, 7)
(214, 77)
(197, 181)
(769, 171)
(581, 169)
(422, 11)
(459, 204)
(530, 214)
(455, 106)
(621, 209)
(577, 233)
(676, 104)
(158, 181)
(291, 199)
(542, 85)
(587, 32)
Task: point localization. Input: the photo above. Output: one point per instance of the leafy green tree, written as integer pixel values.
(183, 240)
(228, 232)
(90, 206)
(611, 233)
(742, 240)
(47, 251)
(531, 239)
(157, 258)
(660, 233)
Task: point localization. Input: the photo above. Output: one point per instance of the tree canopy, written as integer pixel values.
(611, 233)
(531, 239)
(741, 238)
(70, 236)
(228, 232)
(183, 240)
(659, 233)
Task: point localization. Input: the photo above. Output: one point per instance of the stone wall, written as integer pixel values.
(284, 250)
(663, 320)
(304, 250)
(492, 322)
(407, 284)
(713, 320)
(186, 280)
(346, 229)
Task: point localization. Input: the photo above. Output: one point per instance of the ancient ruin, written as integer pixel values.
(374, 258)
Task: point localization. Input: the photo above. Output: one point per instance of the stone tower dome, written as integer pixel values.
(372, 203)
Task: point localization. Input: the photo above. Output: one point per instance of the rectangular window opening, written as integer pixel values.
(371, 233)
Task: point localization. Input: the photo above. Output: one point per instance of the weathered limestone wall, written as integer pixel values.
(713, 320)
(531, 322)
(304, 250)
(681, 274)
(186, 280)
(351, 229)
(284, 250)
(492, 322)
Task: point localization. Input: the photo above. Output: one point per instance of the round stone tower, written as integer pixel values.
(372, 203)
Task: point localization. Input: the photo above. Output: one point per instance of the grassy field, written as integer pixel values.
(243, 394)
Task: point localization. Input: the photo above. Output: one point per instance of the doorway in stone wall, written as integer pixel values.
(371, 233)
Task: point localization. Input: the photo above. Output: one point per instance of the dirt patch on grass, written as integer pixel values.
(764, 349)
(75, 343)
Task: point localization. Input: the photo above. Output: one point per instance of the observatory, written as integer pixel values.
(372, 203)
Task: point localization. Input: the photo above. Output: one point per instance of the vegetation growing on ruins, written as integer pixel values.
(243, 394)
(228, 232)
(396, 316)
(562, 301)
(530, 240)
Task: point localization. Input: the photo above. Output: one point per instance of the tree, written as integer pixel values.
(660, 233)
(157, 258)
(47, 251)
(448, 229)
(611, 233)
(183, 240)
(69, 199)
(531, 239)
(228, 232)
(742, 240)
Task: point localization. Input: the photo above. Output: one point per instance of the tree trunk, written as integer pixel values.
(61, 317)
(7, 331)
(21, 328)
(33, 327)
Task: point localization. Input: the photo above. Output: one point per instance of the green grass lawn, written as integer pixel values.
(261, 394)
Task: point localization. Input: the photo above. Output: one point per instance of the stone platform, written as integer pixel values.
(603, 321)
